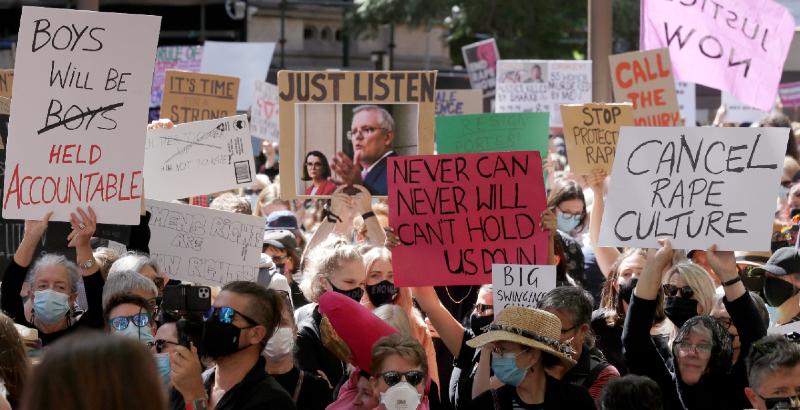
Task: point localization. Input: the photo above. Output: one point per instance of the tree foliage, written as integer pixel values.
(546, 29)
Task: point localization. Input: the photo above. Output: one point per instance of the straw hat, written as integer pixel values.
(529, 327)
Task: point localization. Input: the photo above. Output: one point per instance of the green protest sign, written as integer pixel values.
(492, 132)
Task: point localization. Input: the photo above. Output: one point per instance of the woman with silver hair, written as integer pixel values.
(54, 281)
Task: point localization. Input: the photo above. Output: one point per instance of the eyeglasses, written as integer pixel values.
(226, 314)
(565, 331)
(314, 164)
(120, 323)
(684, 347)
(414, 377)
(671, 290)
(725, 322)
(482, 309)
(159, 344)
(569, 215)
(363, 132)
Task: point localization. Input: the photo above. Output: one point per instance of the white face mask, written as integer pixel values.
(401, 396)
(280, 344)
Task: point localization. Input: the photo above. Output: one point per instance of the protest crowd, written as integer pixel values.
(540, 272)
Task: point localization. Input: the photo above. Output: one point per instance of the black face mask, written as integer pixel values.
(626, 290)
(778, 291)
(355, 293)
(781, 403)
(477, 323)
(381, 293)
(219, 339)
(679, 310)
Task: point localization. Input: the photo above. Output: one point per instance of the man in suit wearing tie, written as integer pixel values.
(372, 133)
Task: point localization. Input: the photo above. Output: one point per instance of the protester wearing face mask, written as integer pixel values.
(688, 292)
(607, 321)
(281, 246)
(703, 377)
(235, 331)
(724, 318)
(399, 372)
(573, 307)
(166, 339)
(54, 281)
(308, 391)
(381, 290)
(773, 371)
(131, 316)
(333, 266)
(518, 346)
(782, 287)
(566, 200)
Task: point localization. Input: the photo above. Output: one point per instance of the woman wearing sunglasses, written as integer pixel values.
(688, 292)
(701, 353)
(399, 372)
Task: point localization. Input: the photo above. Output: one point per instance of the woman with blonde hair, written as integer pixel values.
(382, 291)
(688, 292)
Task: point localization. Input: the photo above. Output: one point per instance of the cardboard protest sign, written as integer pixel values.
(687, 102)
(542, 86)
(248, 61)
(264, 112)
(456, 215)
(790, 94)
(79, 108)
(198, 158)
(185, 58)
(481, 61)
(198, 96)
(6, 82)
(457, 102)
(362, 116)
(694, 186)
(493, 132)
(644, 78)
(591, 132)
(739, 47)
(205, 246)
(738, 112)
(5, 106)
(521, 285)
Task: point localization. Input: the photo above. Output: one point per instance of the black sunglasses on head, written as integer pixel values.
(414, 377)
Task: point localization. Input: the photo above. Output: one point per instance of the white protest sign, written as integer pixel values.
(81, 98)
(458, 102)
(205, 246)
(247, 61)
(521, 285)
(694, 186)
(687, 103)
(264, 112)
(738, 112)
(542, 86)
(198, 158)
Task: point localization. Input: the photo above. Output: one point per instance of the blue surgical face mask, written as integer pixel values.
(50, 306)
(565, 223)
(505, 368)
(162, 364)
(783, 192)
(142, 334)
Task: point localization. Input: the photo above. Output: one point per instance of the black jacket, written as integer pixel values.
(311, 355)
(257, 391)
(716, 390)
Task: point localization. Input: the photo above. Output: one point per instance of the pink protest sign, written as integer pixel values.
(458, 214)
(186, 58)
(738, 46)
(790, 94)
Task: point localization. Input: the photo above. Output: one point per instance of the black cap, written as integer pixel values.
(784, 261)
(281, 239)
